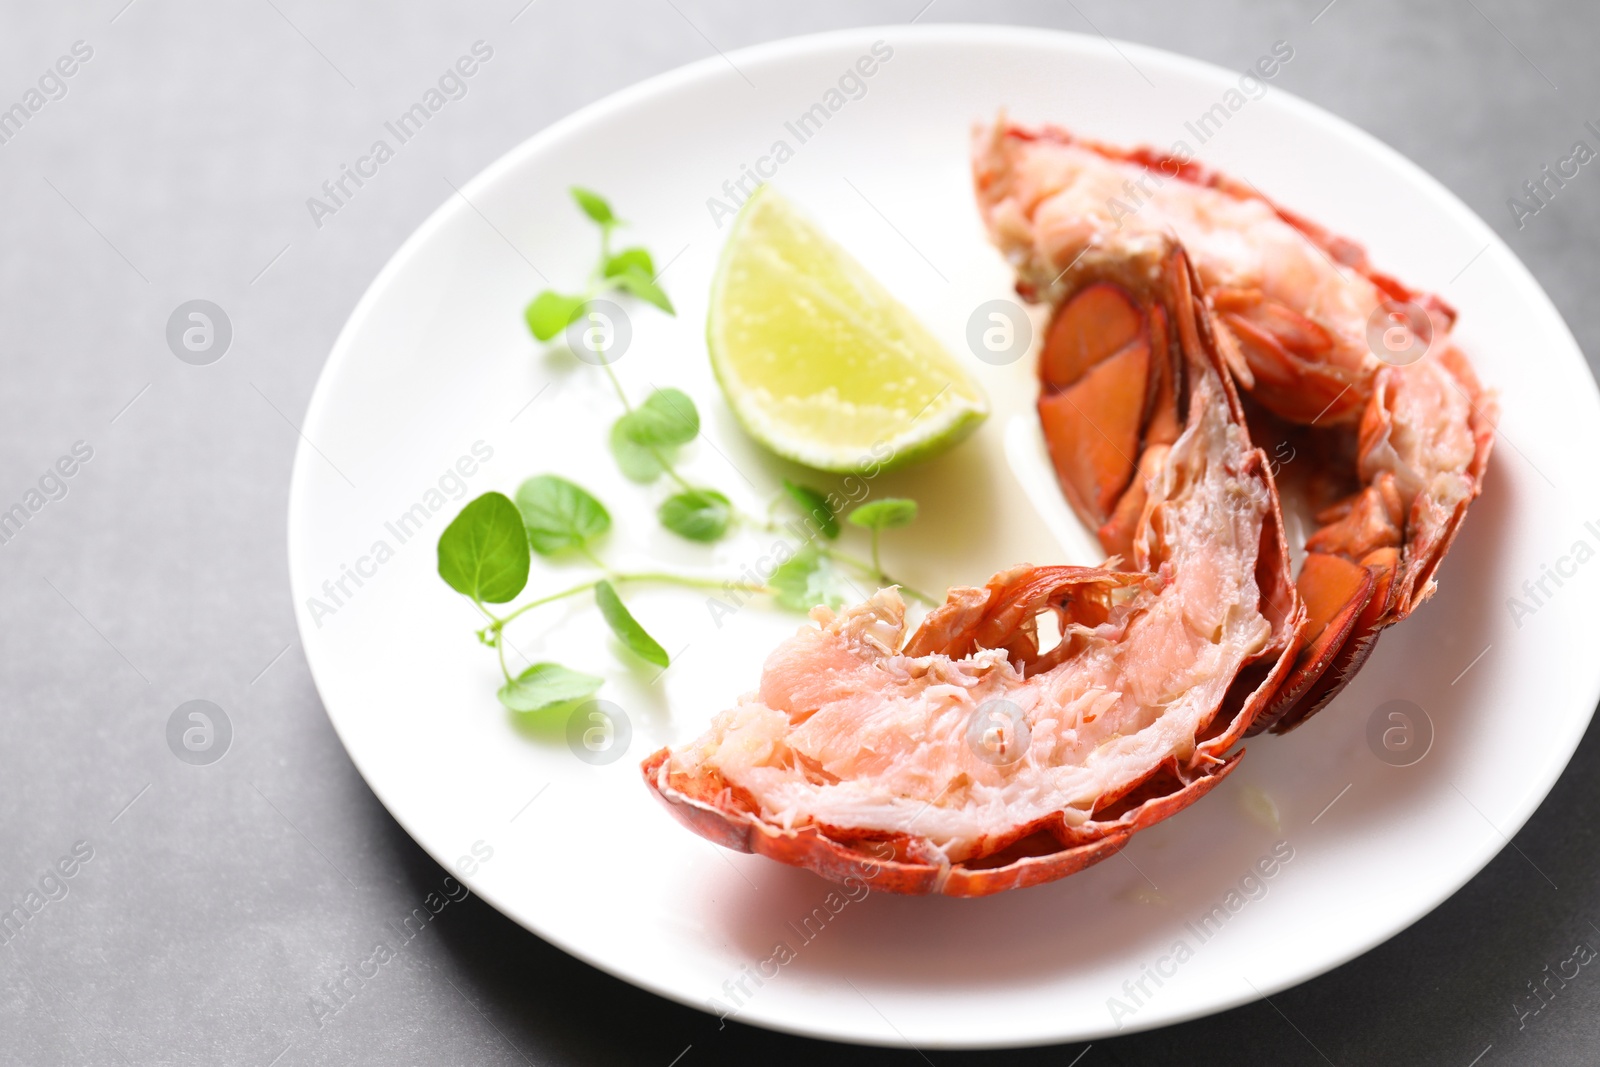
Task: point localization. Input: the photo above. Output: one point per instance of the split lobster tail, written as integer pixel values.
(1029, 728)
(1380, 445)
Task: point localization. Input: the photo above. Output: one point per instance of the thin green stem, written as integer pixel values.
(875, 572)
(500, 649)
(499, 624)
(687, 581)
(841, 556)
(670, 470)
(766, 525)
(617, 385)
(664, 578)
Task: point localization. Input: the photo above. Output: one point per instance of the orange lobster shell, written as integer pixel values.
(1002, 616)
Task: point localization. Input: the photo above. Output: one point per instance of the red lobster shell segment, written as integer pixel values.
(1381, 444)
(1029, 728)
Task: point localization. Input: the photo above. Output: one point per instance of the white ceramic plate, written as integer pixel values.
(436, 359)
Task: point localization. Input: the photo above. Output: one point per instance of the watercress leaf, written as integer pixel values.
(594, 205)
(551, 312)
(814, 505)
(630, 259)
(667, 417)
(806, 579)
(626, 627)
(643, 440)
(560, 514)
(483, 553)
(698, 515)
(643, 286)
(545, 685)
(885, 514)
(638, 462)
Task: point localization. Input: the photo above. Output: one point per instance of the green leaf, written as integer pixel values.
(545, 685)
(640, 463)
(626, 627)
(551, 312)
(643, 440)
(594, 205)
(814, 506)
(885, 514)
(483, 553)
(637, 259)
(642, 285)
(805, 580)
(698, 515)
(560, 514)
(667, 417)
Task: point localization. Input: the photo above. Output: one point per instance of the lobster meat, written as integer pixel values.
(1338, 363)
(1029, 728)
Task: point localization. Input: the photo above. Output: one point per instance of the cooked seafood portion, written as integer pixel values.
(1395, 446)
(1028, 728)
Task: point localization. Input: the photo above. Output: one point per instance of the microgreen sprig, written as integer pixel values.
(646, 438)
(812, 575)
(486, 552)
(486, 555)
(631, 271)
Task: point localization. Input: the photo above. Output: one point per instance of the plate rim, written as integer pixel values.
(1513, 818)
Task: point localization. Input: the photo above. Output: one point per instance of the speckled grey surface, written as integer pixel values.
(217, 900)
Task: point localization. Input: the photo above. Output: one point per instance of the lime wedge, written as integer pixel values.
(819, 362)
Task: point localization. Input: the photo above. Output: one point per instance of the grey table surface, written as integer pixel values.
(216, 901)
